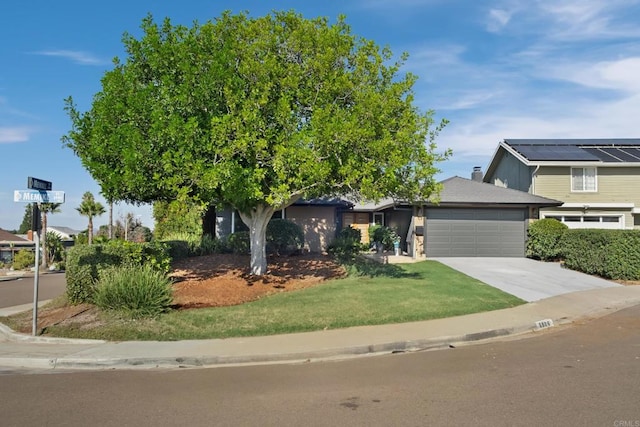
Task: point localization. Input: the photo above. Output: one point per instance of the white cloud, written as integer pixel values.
(620, 74)
(498, 19)
(79, 57)
(478, 136)
(14, 134)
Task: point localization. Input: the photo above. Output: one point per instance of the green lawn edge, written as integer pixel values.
(387, 294)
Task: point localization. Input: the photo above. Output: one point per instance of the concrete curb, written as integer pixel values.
(70, 362)
(14, 336)
(89, 363)
(23, 351)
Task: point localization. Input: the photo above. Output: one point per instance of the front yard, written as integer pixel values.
(386, 294)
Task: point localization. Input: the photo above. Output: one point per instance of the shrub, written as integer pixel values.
(24, 259)
(211, 245)
(238, 243)
(346, 246)
(179, 249)
(137, 291)
(613, 254)
(384, 236)
(543, 239)
(284, 237)
(622, 260)
(583, 250)
(85, 262)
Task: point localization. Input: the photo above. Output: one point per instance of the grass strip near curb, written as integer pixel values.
(394, 294)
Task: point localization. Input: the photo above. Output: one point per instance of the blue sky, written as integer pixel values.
(496, 69)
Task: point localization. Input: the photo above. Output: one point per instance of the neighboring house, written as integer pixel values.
(10, 244)
(597, 179)
(65, 233)
(472, 218)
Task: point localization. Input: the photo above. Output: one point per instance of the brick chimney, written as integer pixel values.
(477, 174)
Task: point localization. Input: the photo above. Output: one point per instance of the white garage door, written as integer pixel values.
(465, 232)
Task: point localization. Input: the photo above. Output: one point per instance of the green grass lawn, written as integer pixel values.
(392, 294)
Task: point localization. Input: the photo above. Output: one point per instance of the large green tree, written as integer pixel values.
(255, 113)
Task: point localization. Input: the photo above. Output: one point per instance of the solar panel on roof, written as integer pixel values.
(623, 154)
(554, 152)
(634, 152)
(604, 154)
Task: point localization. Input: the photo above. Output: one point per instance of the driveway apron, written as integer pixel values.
(525, 278)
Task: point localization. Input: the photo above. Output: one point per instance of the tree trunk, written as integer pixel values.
(110, 228)
(90, 231)
(257, 221)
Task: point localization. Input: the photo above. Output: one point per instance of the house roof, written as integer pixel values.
(323, 201)
(593, 150)
(567, 152)
(70, 232)
(463, 191)
(6, 237)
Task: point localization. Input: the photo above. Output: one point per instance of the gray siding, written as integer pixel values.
(511, 173)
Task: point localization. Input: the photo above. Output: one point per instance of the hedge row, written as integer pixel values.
(612, 254)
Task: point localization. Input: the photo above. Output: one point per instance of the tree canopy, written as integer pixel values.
(255, 113)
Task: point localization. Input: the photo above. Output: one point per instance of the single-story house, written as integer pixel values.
(472, 218)
(10, 244)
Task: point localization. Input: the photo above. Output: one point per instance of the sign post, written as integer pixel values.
(39, 192)
(36, 275)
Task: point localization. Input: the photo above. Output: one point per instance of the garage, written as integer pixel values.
(475, 232)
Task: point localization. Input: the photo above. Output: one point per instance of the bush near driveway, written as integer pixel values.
(612, 254)
(544, 237)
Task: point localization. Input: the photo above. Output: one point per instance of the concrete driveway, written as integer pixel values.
(525, 278)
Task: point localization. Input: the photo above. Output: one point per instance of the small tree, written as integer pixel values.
(53, 248)
(90, 208)
(255, 113)
(47, 208)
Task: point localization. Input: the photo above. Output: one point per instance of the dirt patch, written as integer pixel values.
(223, 280)
(213, 281)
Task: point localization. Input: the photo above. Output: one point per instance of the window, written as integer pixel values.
(378, 218)
(584, 179)
(610, 219)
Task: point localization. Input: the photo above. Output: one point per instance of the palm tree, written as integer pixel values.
(46, 208)
(90, 208)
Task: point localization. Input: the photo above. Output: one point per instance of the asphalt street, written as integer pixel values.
(584, 374)
(19, 291)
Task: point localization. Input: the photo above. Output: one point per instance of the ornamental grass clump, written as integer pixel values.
(135, 291)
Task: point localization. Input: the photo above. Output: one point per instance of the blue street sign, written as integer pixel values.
(36, 196)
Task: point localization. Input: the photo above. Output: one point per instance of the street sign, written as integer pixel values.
(38, 184)
(36, 196)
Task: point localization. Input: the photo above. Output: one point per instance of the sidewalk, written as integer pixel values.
(24, 351)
